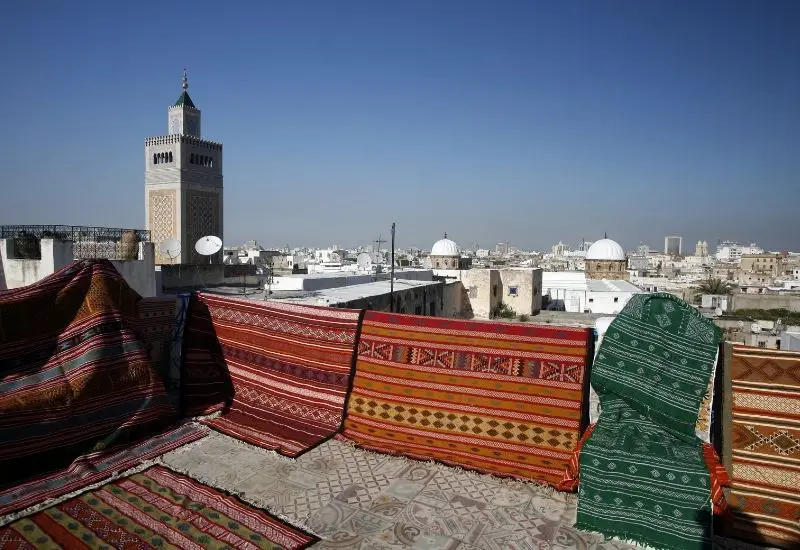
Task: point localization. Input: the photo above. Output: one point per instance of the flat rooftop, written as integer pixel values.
(346, 294)
(611, 286)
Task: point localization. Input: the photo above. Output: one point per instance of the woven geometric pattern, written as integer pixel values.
(288, 367)
(762, 452)
(644, 474)
(495, 397)
(76, 376)
(660, 355)
(153, 509)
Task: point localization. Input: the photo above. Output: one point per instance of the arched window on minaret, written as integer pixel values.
(191, 158)
(170, 156)
(155, 159)
(211, 162)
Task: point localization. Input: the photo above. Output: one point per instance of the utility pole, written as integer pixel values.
(391, 276)
(378, 242)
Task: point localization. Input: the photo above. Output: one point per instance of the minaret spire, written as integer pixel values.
(185, 85)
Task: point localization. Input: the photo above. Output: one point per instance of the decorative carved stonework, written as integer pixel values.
(612, 270)
(202, 218)
(163, 221)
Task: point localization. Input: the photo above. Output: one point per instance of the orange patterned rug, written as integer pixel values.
(499, 398)
(763, 451)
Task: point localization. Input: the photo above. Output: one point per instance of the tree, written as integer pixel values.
(714, 285)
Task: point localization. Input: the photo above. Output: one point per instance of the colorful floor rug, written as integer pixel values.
(95, 467)
(153, 509)
(289, 366)
(502, 398)
(76, 377)
(762, 452)
(644, 473)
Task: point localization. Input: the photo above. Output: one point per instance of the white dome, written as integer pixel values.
(445, 247)
(605, 249)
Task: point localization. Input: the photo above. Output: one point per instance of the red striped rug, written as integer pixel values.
(95, 467)
(500, 398)
(762, 452)
(289, 366)
(153, 509)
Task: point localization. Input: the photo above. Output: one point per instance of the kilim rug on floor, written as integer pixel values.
(644, 473)
(75, 377)
(95, 467)
(290, 369)
(153, 509)
(762, 452)
(501, 398)
(156, 321)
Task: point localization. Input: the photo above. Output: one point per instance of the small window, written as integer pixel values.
(191, 158)
(170, 156)
(494, 291)
(513, 291)
(155, 158)
(762, 344)
(535, 290)
(616, 299)
(591, 300)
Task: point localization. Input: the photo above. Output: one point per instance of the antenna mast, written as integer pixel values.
(391, 276)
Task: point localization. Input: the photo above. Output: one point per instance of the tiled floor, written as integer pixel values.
(360, 500)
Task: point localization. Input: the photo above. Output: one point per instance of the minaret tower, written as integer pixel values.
(183, 183)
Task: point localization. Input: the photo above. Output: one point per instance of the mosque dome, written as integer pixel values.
(605, 249)
(445, 247)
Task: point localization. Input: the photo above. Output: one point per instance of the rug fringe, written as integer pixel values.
(58, 500)
(301, 523)
(531, 484)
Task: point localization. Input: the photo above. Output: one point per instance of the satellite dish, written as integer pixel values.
(171, 248)
(741, 324)
(208, 245)
(718, 312)
(755, 328)
(364, 260)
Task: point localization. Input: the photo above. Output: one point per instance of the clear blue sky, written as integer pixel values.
(523, 121)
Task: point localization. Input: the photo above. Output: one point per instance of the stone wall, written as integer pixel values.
(55, 254)
(764, 301)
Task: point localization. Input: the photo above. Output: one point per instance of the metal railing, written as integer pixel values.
(87, 242)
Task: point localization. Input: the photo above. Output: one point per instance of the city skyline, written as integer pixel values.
(511, 122)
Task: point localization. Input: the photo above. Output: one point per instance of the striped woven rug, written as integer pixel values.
(499, 398)
(154, 509)
(289, 366)
(76, 376)
(95, 467)
(762, 453)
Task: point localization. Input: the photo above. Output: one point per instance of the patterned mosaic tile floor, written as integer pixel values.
(354, 499)
(360, 500)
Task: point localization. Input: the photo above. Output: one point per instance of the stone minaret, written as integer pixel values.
(183, 183)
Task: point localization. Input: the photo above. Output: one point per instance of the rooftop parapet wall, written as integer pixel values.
(138, 270)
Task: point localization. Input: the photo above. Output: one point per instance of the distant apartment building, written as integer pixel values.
(673, 245)
(559, 249)
(763, 266)
(701, 249)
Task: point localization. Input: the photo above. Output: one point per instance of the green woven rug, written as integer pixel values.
(643, 476)
(638, 482)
